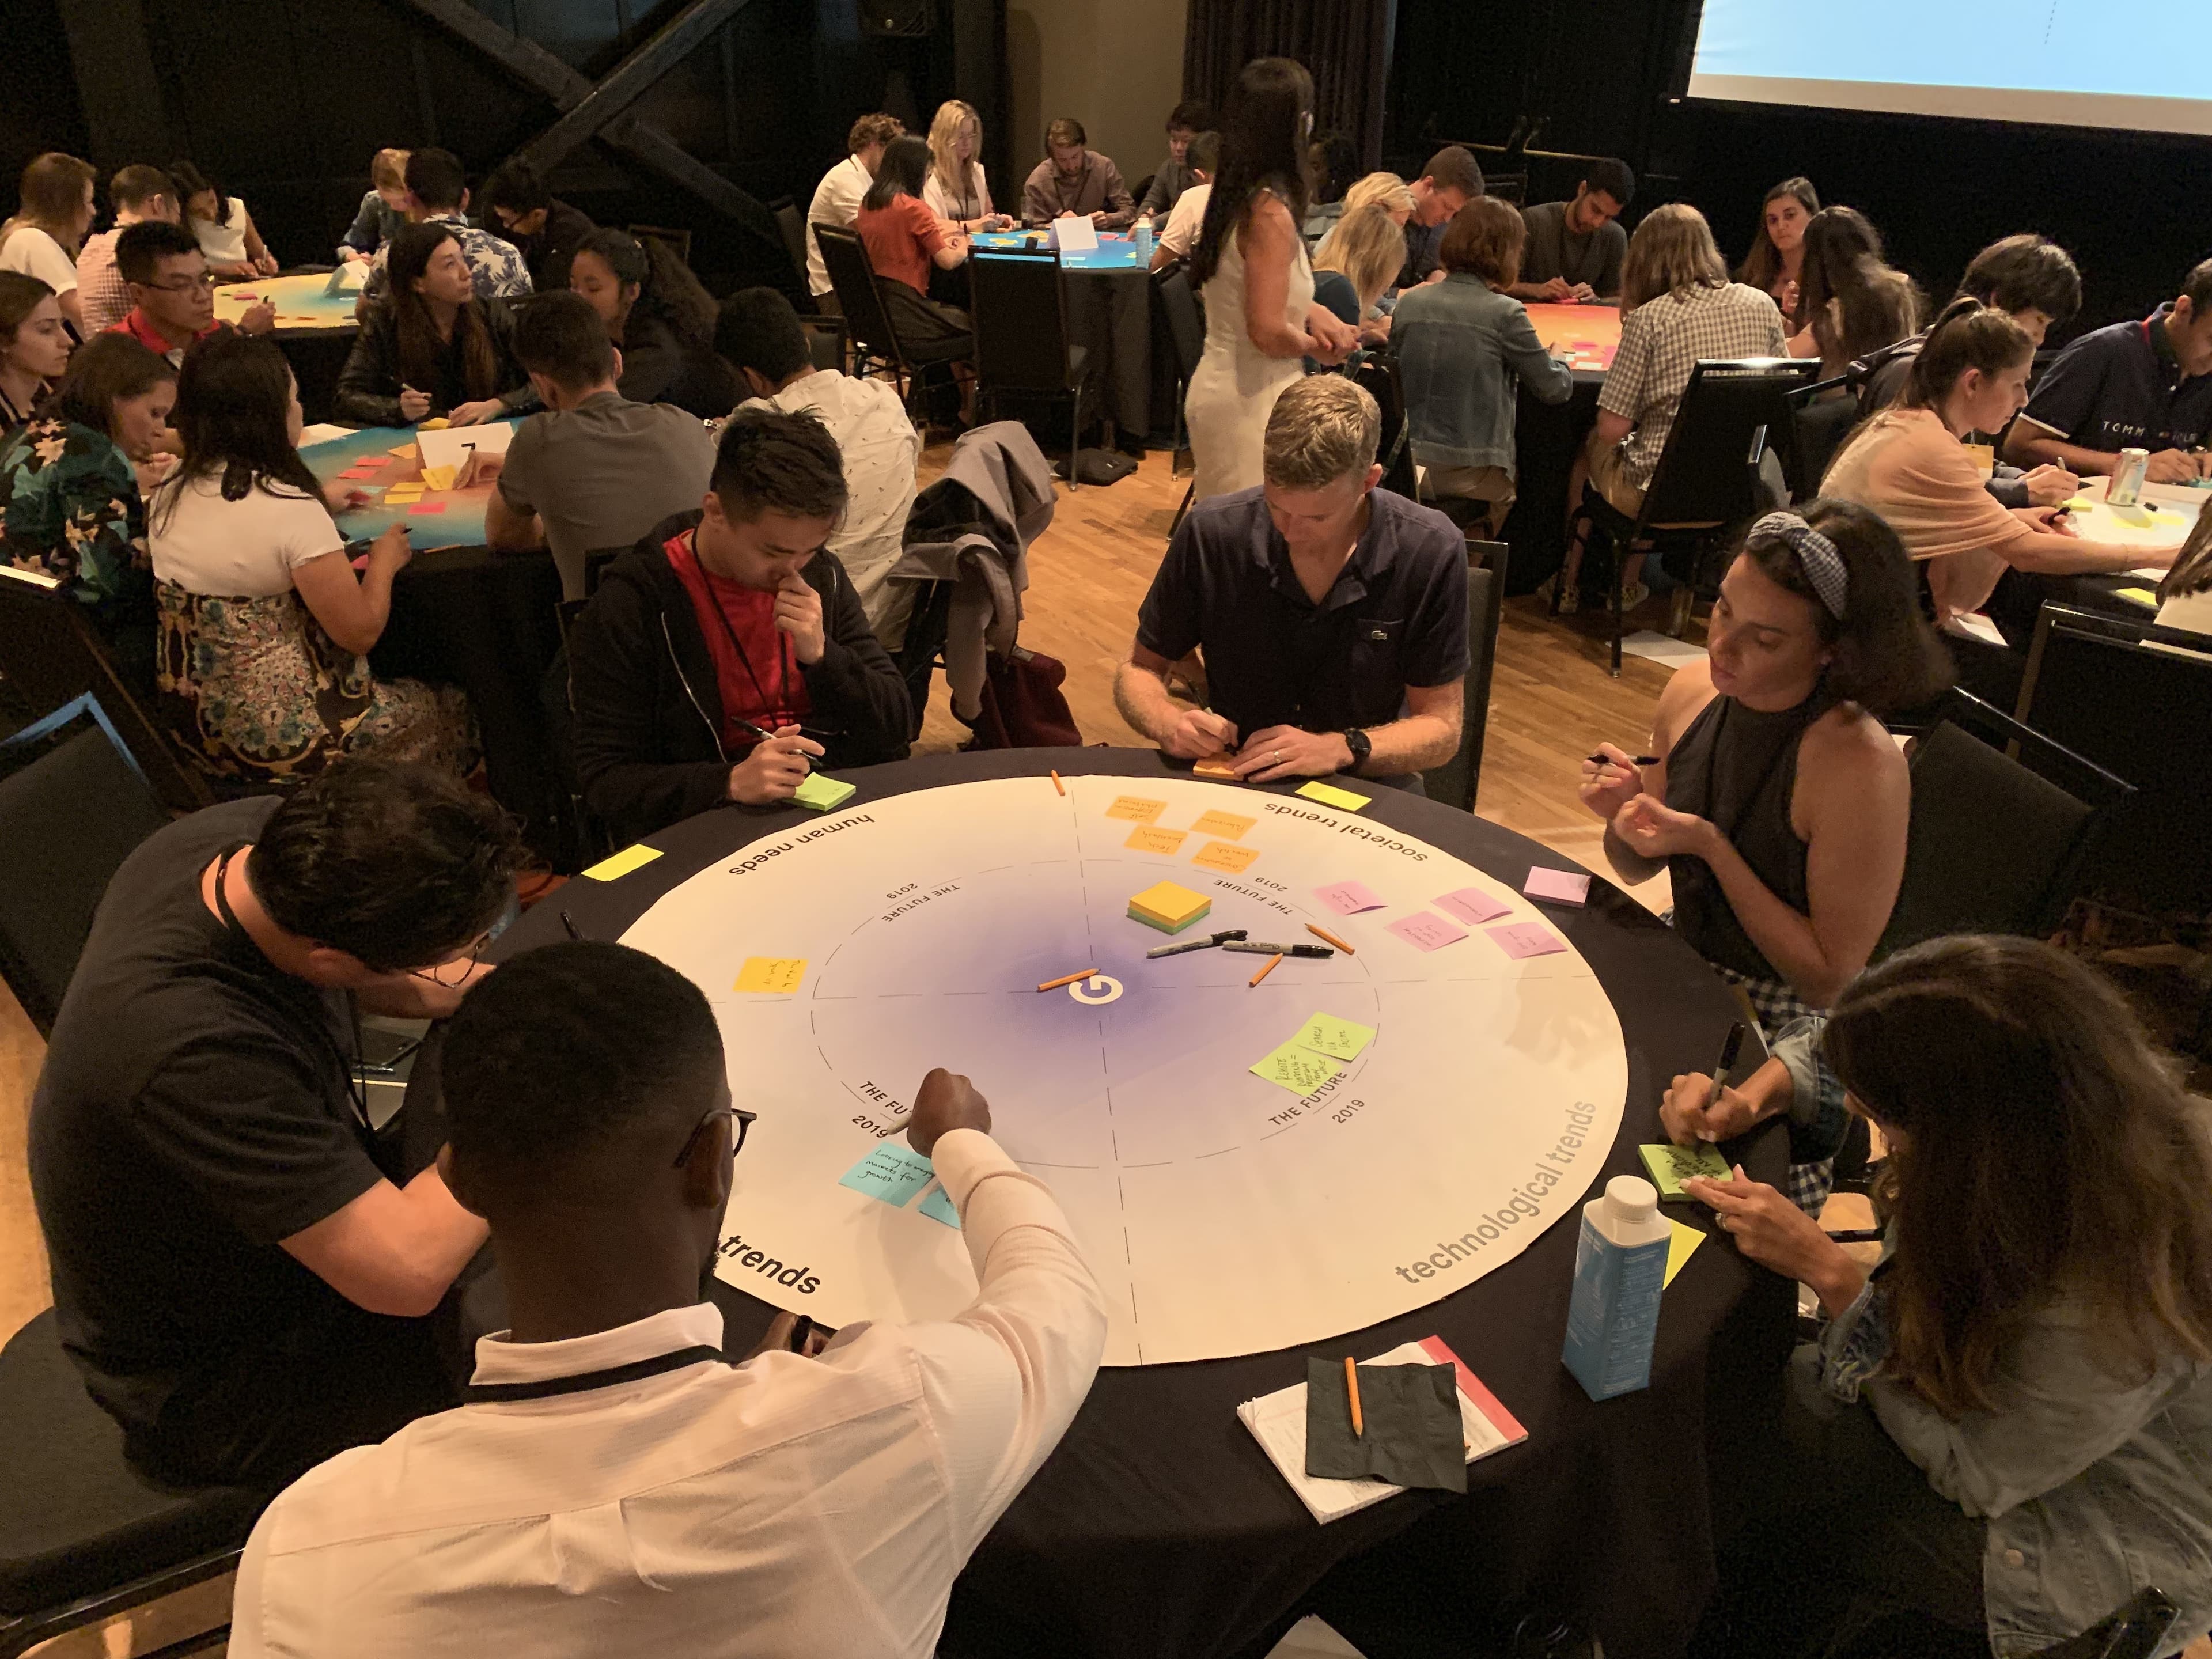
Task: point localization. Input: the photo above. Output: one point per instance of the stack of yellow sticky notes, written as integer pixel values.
(401, 494)
(438, 479)
(1169, 908)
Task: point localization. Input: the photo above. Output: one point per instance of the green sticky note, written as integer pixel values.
(1671, 1165)
(1340, 1039)
(1299, 1070)
(631, 857)
(1680, 1245)
(940, 1207)
(821, 794)
(892, 1172)
(1330, 795)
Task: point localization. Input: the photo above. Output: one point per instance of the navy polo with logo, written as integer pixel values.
(2120, 388)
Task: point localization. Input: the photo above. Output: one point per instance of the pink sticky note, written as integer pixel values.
(1559, 886)
(1526, 938)
(1349, 898)
(1471, 905)
(1425, 930)
(418, 510)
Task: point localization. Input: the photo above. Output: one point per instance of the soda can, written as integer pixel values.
(2126, 487)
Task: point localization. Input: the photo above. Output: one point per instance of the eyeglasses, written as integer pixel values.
(460, 967)
(204, 283)
(745, 1122)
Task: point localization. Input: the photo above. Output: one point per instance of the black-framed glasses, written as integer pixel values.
(460, 967)
(745, 1118)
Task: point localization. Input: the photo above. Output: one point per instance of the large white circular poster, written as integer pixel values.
(1247, 1166)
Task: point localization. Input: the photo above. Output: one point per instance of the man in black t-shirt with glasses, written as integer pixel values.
(235, 1271)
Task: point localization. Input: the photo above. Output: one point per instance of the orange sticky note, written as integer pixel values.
(1135, 809)
(1230, 861)
(1227, 825)
(405, 451)
(1216, 766)
(1148, 839)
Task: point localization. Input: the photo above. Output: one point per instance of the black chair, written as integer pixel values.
(2135, 1630)
(581, 837)
(1706, 482)
(1997, 844)
(1395, 449)
(83, 1536)
(1819, 418)
(1185, 330)
(2132, 697)
(1020, 308)
(875, 337)
(1455, 781)
(69, 818)
(792, 225)
(50, 654)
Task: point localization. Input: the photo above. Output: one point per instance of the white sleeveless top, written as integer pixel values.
(1235, 386)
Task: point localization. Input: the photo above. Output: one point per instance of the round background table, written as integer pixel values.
(1158, 1525)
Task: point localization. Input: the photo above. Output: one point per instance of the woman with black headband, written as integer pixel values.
(1777, 802)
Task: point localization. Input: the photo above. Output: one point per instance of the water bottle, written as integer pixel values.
(1142, 238)
(1620, 1267)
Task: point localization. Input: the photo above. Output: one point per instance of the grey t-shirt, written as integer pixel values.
(1552, 251)
(602, 474)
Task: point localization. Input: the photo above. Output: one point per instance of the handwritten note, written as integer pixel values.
(940, 1207)
(1557, 886)
(1426, 931)
(890, 1172)
(1526, 938)
(1135, 809)
(1227, 825)
(1671, 1165)
(1297, 1069)
(774, 975)
(1349, 898)
(1147, 838)
(1230, 861)
(1329, 795)
(1340, 1039)
(622, 863)
(823, 793)
(1472, 906)
(438, 478)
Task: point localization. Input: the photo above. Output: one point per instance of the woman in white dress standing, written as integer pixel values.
(1250, 267)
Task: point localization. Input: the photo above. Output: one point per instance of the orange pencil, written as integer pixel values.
(1066, 979)
(1351, 1391)
(1058, 785)
(1330, 938)
(1267, 969)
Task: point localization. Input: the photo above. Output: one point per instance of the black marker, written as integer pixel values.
(1205, 944)
(1281, 950)
(1731, 1046)
(800, 1332)
(1639, 760)
(574, 932)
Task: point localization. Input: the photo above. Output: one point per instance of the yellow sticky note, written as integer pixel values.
(405, 451)
(2139, 595)
(1299, 1070)
(438, 478)
(1220, 855)
(1147, 839)
(1170, 904)
(775, 976)
(1135, 809)
(630, 857)
(439, 424)
(1680, 1245)
(1340, 1039)
(1330, 795)
(406, 492)
(1227, 825)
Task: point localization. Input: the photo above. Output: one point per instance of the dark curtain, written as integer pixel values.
(1345, 44)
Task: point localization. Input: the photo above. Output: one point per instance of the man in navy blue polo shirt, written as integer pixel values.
(1331, 615)
(2144, 385)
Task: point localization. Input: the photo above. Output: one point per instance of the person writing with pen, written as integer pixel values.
(727, 654)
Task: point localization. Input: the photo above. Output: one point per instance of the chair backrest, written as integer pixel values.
(1995, 845)
(791, 225)
(49, 651)
(1705, 473)
(1020, 306)
(854, 280)
(1455, 781)
(68, 820)
(2121, 693)
(1179, 305)
(1819, 418)
(1380, 376)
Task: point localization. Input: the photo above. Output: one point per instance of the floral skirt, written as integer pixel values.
(260, 694)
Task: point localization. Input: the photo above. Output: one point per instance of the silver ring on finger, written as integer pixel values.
(1277, 756)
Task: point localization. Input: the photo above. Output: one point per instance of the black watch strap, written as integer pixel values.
(1359, 744)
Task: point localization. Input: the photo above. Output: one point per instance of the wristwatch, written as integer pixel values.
(1359, 743)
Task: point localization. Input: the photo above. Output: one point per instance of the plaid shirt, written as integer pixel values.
(1662, 341)
(100, 286)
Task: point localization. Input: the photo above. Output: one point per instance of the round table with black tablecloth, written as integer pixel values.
(1547, 438)
(1159, 1526)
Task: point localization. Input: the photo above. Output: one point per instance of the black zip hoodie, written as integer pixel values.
(648, 710)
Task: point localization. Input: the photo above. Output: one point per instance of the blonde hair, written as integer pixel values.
(51, 197)
(1321, 427)
(1383, 189)
(1369, 247)
(1673, 249)
(388, 170)
(951, 115)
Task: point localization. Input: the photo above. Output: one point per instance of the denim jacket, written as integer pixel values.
(2093, 1485)
(1460, 348)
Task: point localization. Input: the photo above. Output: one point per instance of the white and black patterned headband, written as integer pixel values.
(1816, 557)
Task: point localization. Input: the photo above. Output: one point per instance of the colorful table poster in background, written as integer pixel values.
(461, 524)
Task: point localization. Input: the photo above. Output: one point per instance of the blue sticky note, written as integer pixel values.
(938, 1206)
(892, 1172)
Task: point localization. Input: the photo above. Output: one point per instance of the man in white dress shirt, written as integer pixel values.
(615, 1485)
(760, 336)
(837, 198)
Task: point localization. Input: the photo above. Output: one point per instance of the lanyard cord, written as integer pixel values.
(782, 663)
